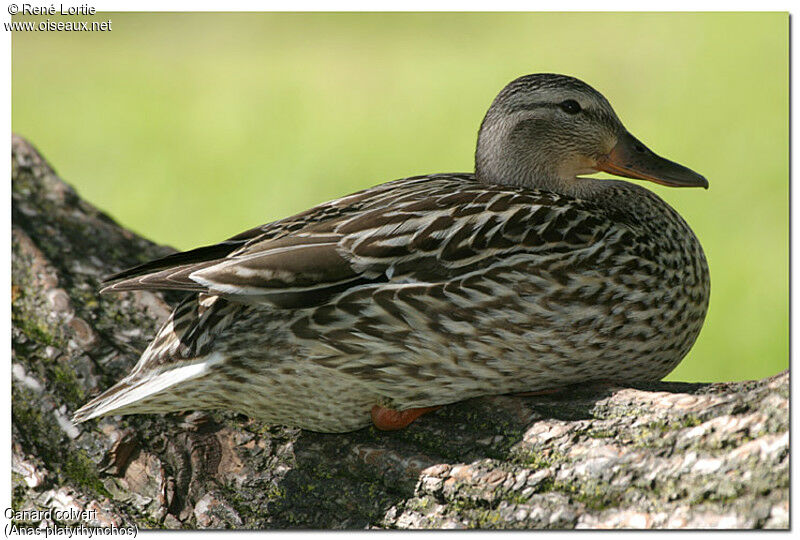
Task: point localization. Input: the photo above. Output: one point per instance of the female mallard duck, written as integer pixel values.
(424, 291)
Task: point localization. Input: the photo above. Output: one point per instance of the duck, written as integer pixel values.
(525, 275)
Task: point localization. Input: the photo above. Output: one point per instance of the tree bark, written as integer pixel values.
(660, 455)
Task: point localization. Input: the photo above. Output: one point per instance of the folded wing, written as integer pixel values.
(424, 231)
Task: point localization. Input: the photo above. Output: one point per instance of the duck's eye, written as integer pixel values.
(570, 106)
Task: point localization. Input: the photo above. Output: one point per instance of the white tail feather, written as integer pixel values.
(110, 401)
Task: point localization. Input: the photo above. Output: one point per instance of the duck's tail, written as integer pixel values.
(149, 392)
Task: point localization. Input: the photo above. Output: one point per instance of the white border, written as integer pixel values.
(352, 5)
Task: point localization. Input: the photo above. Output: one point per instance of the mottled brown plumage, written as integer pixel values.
(429, 290)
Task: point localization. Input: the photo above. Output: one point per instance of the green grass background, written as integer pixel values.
(188, 128)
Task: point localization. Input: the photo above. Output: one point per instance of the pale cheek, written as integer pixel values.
(607, 144)
(576, 165)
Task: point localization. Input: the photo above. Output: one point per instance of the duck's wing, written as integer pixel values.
(414, 232)
(171, 272)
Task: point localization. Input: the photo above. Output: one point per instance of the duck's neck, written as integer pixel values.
(513, 171)
(496, 170)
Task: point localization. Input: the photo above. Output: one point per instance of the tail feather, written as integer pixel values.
(176, 278)
(131, 395)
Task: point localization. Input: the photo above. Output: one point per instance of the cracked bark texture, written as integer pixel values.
(660, 455)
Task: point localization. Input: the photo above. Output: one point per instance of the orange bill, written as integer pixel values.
(632, 159)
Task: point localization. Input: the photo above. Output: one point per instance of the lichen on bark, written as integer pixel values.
(659, 455)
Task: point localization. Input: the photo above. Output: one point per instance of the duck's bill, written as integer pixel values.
(632, 159)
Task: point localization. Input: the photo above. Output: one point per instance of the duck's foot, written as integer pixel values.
(391, 420)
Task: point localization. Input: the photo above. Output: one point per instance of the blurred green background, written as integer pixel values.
(189, 128)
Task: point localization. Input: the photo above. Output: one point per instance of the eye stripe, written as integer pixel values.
(597, 115)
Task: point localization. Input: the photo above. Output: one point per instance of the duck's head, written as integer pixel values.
(544, 130)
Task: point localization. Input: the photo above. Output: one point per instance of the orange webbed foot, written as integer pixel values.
(391, 420)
